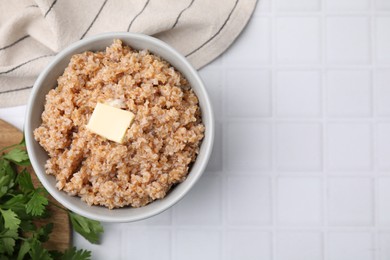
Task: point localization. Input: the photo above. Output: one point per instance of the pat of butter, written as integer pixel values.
(110, 122)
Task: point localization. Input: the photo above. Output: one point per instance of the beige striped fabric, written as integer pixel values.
(33, 31)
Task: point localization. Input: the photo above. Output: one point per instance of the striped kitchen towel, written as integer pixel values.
(33, 31)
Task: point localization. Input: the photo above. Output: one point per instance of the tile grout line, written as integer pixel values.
(274, 178)
(373, 130)
(267, 228)
(224, 178)
(328, 13)
(304, 66)
(324, 131)
(304, 120)
(309, 174)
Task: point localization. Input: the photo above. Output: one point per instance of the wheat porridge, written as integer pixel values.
(159, 146)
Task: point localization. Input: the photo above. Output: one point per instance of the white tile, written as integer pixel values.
(349, 146)
(248, 93)
(253, 47)
(383, 246)
(383, 201)
(298, 93)
(299, 246)
(247, 245)
(162, 219)
(195, 244)
(298, 146)
(382, 146)
(298, 40)
(216, 63)
(138, 244)
(350, 201)
(350, 246)
(382, 39)
(299, 201)
(348, 40)
(248, 146)
(202, 205)
(349, 93)
(109, 240)
(382, 91)
(216, 161)
(382, 5)
(298, 5)
(348, 5)
(263, 6)
(249, 200)
(212, 79)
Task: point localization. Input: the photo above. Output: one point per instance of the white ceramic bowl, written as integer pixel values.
(48, 80)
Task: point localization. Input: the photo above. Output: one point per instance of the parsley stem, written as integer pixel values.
(21, 238)
(11, 146)
(58, 206)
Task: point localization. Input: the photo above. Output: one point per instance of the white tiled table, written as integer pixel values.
(301, 165)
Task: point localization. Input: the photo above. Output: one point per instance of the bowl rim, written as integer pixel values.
(207, 111)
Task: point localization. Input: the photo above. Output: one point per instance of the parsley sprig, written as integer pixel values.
(21, 204)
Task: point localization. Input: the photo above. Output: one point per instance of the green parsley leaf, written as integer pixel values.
(74, 254)
(7, 241)
(7, 175)
(24, 181)
(23, 142)
(24, 249)
(6, 169)
(16, 203)
(37, 203)
(21, 204)
(8, 245)
(90, 229)
(11, 220)
(4, 185)
(38, 252)
(6, 232)
(55, 254)
(27, 225)
(18, 156)
(43, 233)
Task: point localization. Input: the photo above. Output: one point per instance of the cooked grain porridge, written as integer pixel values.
(159, 146)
